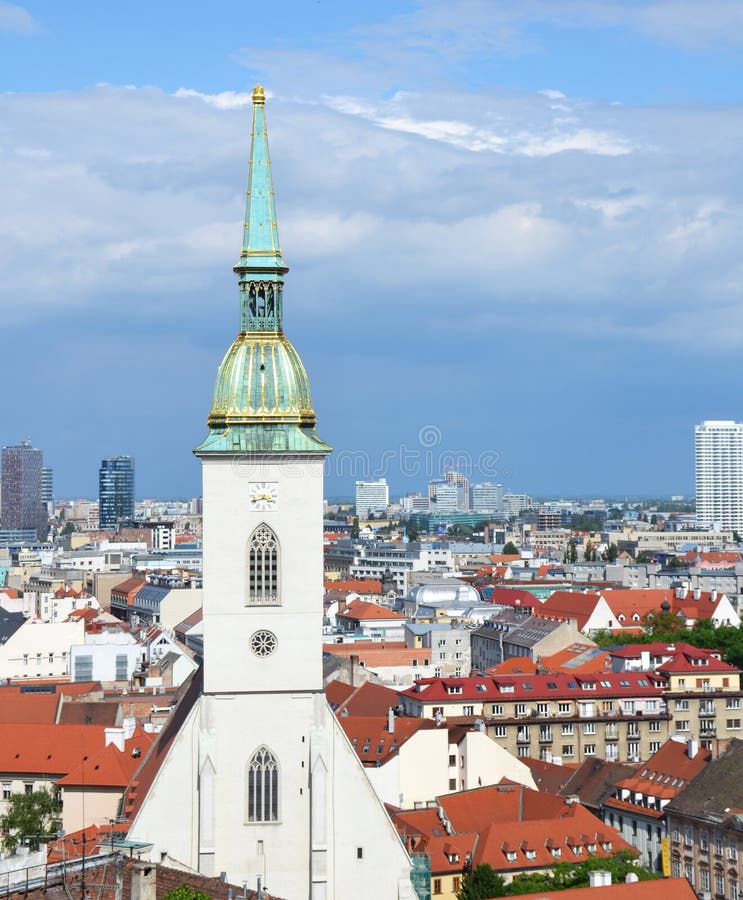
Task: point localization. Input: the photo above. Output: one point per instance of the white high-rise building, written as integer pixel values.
(487, 497)
(253, 775)
(371, 497)
(719, 474)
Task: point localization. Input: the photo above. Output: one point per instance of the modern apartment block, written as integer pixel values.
(487, 497)
(719, 474)
(371, 497)
(115, 491)
(22, 508)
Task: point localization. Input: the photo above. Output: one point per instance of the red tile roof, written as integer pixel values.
(514, 665)
(515, 597)
(660, 889)
(577, 658)
(533, 687)
(698, 662)
(476, 809)
(367, 699)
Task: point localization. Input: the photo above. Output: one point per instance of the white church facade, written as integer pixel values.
(256, 778)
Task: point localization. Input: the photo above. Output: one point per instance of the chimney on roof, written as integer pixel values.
(144, 882)
(354, 663)
(391, 720)
(596, 878)
(692, 747)
(129, 724)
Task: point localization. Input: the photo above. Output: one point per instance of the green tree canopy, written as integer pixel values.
(30, 815)
(511, 549)
(482, 883)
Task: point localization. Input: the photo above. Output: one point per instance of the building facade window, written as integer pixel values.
(263, 787)
(263, 567)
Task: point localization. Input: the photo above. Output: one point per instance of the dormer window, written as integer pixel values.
(531, 854)
(511, 855)
(556, 852)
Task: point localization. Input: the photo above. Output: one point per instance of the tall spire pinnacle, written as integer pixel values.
(261, 267)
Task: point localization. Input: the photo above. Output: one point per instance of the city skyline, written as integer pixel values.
(551, 165)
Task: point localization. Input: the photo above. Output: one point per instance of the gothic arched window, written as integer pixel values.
(263, 568)
(263, 787)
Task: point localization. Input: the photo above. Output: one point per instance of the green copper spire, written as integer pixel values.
(262, 400)
(261, 268)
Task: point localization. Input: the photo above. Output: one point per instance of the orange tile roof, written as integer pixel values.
(667, 771)
(357, 586)
(365, 612)
(569, 660)
(46, 749)
(475, 809)
(575, 832)
(385, 653)
(514, 665)
(372, 740)
(110, 767)
(571, 605)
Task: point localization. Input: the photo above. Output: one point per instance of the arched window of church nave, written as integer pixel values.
(263, 567)
(263, 787)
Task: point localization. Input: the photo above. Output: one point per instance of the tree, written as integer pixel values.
(482, 884)
(355, 527)
(611, 553)
(36, 814)
(571, 875)
(68, 529)
(511, 549)
(572, 553)
(186, 892)
(412, 533)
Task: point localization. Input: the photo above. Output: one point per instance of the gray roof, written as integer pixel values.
(10, 622)
(716, 789)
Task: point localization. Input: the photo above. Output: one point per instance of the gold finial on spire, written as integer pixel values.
(259, 95)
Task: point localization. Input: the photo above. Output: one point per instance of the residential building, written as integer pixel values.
(667, 889)
(637, 806)
(115, 491)
(705, 827)
(554, 717)
(514, 504)
(371, 497)
(719, 475)
(508, 826)
(39, 649)
(21, 506)
(410, 761)
(370, 621)
(449, 645)
(514, 633)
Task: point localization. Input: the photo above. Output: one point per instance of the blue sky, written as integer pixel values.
(515, 221)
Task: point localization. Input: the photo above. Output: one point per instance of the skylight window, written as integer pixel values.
(641, 682)
(624, 683)
(572, 684)
(552, 685)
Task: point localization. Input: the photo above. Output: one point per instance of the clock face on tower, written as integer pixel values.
(264, 495)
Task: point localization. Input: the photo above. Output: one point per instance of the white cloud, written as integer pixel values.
(222, 100)
(17, 19)
(115, 196)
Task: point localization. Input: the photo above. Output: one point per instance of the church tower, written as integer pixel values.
(262, 465)
(259, 780)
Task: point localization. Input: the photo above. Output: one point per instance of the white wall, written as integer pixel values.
(40, 649)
